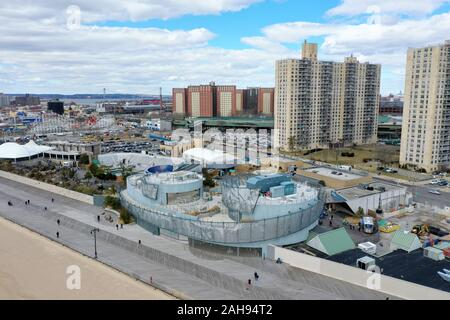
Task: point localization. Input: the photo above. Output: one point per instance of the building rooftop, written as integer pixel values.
(332, 242)
(413, 266)
(328, 172)
(360, 192)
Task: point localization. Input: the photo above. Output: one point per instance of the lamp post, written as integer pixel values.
(94, 232)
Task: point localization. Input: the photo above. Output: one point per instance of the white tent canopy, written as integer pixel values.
(206, 156)
(11, 150)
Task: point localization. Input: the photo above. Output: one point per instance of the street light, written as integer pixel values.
(94, 232)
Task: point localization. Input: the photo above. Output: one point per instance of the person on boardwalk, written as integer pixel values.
(256, 275)
(57, 234)
(117, 226)
(58, 222)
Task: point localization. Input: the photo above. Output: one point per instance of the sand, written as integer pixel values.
(33, 267)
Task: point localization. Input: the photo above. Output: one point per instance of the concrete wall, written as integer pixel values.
(388, 285)
(48, 187)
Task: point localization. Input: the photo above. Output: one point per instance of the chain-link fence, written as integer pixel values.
(224, 232)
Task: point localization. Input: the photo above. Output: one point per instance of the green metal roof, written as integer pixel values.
(404, 239)
(334, 241)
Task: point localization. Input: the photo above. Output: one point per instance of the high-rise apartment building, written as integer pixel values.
(179, 101)
(425, 142)
(266, 101)
(392, 105)
(4, 100)
(222, 101)
(321, 103)
(27, 100)
(226, 101)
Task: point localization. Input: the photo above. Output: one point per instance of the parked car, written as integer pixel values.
(434, 192)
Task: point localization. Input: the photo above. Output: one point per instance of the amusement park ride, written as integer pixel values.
(58, 124)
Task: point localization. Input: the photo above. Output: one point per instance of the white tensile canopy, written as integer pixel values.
(11, 150)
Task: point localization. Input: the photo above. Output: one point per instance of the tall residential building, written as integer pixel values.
(392, 105)
(425, 140)
(179, 101)
(27, 100)
(201, 100)
(240, 98)
(222, 101)
(226, 101)
(266, 101)
(322, 103)
(4, 100)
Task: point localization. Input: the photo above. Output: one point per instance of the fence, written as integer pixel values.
(224, 232)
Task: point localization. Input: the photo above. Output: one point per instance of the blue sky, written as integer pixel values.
(230, 27)
(136, 46)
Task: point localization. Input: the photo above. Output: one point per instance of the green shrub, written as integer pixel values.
(125, 216)
(112, 202)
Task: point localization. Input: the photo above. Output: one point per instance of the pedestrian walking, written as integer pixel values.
(332, 216)
(121, 226)
(45, 208)
(117, 226)
(331, 223)
(57, 234)
(139, 241)
(256, 275)
(58, 222)
(53, 200)
(98, 218)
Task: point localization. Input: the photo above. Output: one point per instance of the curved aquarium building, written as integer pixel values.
(245, 212)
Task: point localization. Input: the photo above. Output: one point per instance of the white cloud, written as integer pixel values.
(119, 10)
(40, 54)
(403, 7)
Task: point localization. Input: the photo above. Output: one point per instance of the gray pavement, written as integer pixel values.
(170, 263)
(421, 194)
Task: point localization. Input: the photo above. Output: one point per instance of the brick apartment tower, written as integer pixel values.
(266, 101)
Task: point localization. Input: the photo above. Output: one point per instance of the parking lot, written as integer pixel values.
(131, 147)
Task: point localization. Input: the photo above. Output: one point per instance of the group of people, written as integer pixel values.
(249, 281)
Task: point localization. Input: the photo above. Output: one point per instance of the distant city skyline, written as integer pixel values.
(135, 47)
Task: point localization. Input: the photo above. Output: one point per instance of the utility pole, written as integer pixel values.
(160, 99)
(94, 232)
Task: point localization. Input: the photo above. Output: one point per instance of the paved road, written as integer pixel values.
(421, 194)
(275, 280)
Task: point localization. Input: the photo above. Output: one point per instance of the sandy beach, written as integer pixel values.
(33, 267)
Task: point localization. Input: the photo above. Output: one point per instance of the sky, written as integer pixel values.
(137, 46)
